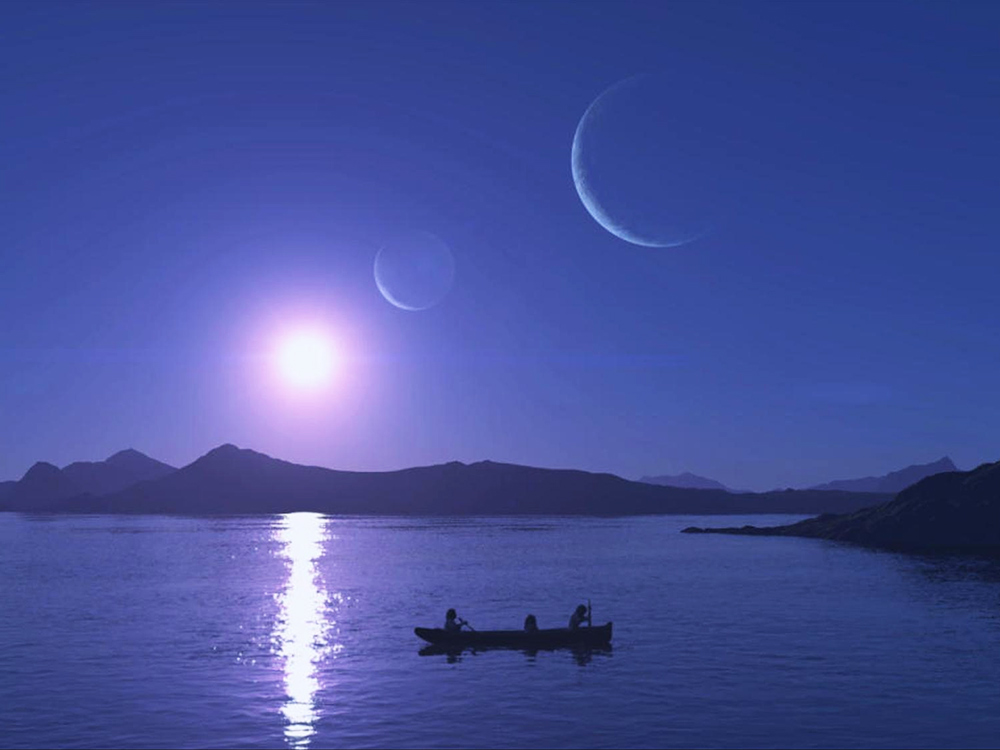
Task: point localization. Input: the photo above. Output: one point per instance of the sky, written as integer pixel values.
(184, 186)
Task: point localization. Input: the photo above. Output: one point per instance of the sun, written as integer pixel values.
(306, 359)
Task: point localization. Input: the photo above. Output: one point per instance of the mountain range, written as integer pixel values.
(951, 510)
(890, 483)
(230, 480)
(894, 481)
(45, 484)
(121, 470)
(686, 479)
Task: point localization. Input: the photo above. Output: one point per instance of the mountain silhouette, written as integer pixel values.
(46, 487)
(121, 470)
(950, 510)
(230, 480)
(892, 482)
(42, 485)
(686, 479)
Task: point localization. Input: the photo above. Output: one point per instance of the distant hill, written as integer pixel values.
(45, 486)
(230, 480)
(951, 510)
(121, 470)
(686, 479)
(892, 482)
(42, 485)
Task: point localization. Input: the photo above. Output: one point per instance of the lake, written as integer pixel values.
(297, 631)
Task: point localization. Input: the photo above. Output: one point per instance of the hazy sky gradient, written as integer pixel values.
(178, 181)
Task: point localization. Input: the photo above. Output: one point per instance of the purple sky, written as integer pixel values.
(182, 184)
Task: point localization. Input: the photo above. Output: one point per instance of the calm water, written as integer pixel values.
(296, 631)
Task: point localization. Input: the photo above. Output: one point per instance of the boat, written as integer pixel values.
(582, 652)
(585, 637)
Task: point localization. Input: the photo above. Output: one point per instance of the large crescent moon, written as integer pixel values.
(590, 194)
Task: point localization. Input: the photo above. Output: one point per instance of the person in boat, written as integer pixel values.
(530, 624)
(452, 622)
(579, 616)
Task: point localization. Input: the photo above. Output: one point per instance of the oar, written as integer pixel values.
(468, 626)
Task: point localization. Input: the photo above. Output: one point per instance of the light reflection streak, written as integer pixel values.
(303, 630)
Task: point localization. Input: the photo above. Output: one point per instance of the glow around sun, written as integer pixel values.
(306, 360)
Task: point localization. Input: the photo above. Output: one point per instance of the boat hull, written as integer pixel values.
(539, 639)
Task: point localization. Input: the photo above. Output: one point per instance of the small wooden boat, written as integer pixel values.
(586, 637)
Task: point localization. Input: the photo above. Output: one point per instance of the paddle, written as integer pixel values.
(590, 619)
(468, 626)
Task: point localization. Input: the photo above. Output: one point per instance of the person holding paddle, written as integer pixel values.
(452, 623)
(579, 616)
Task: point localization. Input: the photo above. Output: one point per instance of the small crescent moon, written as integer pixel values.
(415, 271)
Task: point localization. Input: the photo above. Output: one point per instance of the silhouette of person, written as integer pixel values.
(451, 622)
(578, 617)
(530, 624)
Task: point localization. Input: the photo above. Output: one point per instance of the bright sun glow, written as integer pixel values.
(306, 360)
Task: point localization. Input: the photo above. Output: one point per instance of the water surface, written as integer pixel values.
(296, 631)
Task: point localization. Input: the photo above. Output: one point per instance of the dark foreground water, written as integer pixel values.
(298, 631)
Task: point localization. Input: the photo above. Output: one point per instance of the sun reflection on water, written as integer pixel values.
(302, 636)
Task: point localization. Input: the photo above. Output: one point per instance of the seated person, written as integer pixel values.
(579, 616)
(530, 624)
(451, 622)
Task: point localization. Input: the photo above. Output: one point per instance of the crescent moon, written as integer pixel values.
(384, 284)
(384, 289)
(588, 196)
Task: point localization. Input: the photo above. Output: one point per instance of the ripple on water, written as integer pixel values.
(297, 631)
